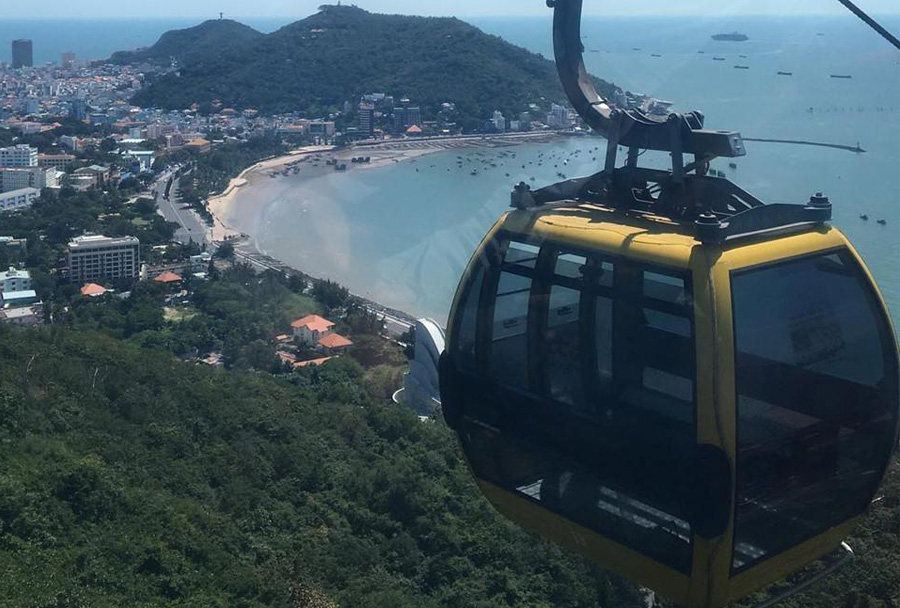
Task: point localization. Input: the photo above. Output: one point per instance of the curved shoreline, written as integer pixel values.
(237, 217)
(225, 206)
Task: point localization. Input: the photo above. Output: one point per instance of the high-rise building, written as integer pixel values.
(367, 118)
(499, 121)
(558, 117)
(96, 257)
(22, 54)
(21, 155)
(79, 109)
(413, 116)
(406, 116)
(67, 60)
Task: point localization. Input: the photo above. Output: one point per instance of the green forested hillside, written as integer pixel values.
(192, 44)
(343, 52)
(131, 479)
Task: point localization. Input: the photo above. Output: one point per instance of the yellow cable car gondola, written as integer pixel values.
(657, 370)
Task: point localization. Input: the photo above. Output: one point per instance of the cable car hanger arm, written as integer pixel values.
(631, 128)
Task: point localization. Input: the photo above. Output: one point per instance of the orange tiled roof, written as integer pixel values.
(313, 323)
(335, 341)
(414, 129)
(93, 290)
(168, 277)
(312, 362)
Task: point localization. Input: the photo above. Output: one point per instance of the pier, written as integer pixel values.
(800, 142)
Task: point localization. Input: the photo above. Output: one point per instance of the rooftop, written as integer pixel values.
(18, 296)
(313, 323)
(168, 277)
(14, 273)
(93, 290)
(335, 341)
(19, 313)
(93, 240)
(312, 362)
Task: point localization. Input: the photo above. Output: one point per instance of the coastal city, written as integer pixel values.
(371, 306)
(70, 130)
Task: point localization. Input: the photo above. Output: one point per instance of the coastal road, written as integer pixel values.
(191, 226)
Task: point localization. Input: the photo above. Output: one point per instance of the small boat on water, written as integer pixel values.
(732, 165)
(882, 222)
(864, 217)
(742, 67)
(842, 76)
(655, 55)
(718, 59)
(732, 37)
(785, 73)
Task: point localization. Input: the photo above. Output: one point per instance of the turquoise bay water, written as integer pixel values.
(402, 235)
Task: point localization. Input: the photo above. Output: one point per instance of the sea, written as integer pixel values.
(402, 235)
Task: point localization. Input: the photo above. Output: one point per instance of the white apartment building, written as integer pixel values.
(16, 178)
(18, 199)
(15, 280)
(96, 257)
(21, 155)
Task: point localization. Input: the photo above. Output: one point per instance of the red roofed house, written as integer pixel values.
(312, 362)
(92, 290)
(310, 329)
(168, 278)
(333, 344)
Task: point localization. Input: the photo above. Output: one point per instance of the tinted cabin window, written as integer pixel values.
(509, 335)
(464, 353)
(563, 347)
(510, 341)
(816, 382)
(601, 431)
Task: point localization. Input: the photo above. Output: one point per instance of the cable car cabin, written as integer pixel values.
(703, 418)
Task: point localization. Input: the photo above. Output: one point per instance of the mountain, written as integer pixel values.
(343, 52)
(191, 44)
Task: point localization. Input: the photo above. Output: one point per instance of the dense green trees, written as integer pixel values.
(132, 479)
(315, 65)
(191, 44)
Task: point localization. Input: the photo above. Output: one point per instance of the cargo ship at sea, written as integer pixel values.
(732, 37)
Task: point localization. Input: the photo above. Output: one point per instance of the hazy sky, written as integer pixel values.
(462, 8)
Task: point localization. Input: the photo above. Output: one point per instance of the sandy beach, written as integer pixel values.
(315, 161)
